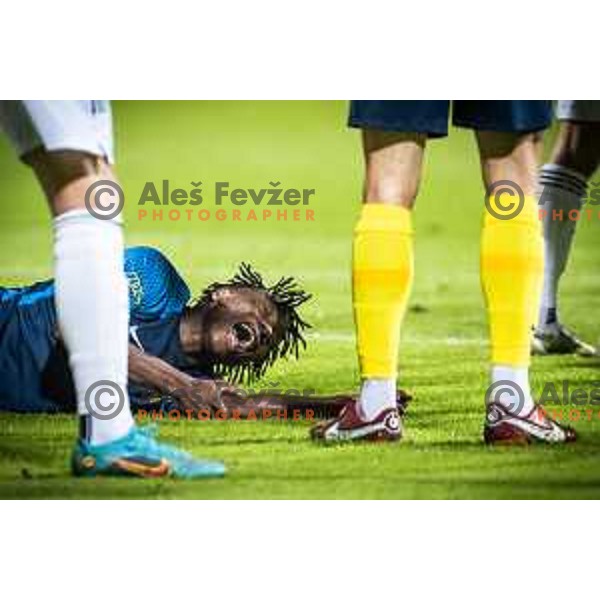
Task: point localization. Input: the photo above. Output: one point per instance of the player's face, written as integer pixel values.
(240, 326)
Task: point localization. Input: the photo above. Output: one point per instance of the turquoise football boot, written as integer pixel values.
(138, 454)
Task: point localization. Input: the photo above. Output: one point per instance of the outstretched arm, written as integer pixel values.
(268, 402)
(154, 372)
(194, 394)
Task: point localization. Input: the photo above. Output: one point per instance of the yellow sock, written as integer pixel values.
(382, 278)
(512, 263)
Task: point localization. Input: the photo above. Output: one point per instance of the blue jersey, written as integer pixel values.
(161, 338)
(156, 290)
(34, 373)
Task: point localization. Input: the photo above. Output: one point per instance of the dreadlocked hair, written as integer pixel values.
(287, 296)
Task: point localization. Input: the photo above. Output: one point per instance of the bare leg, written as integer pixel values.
(394, 162)
(510, 156)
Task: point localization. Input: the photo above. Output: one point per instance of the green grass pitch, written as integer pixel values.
(443, 358)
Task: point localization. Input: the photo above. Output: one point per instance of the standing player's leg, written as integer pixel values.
(511, 273)
(90, 287)
(382, 270)
(394, 138)
(68, 145)
(382, 275)
(563, 185)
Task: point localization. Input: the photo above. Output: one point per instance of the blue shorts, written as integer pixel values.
(431, 116)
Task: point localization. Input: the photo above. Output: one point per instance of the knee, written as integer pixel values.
(578, 147)
(393, 166)
(510, 156)
(66, 175)
(389, 187)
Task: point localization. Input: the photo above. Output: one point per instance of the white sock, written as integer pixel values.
(376, 395)
(516, 397)
(92, 309)
(562, 189)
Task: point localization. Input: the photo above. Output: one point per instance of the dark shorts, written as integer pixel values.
(431, 116)
(21, 355)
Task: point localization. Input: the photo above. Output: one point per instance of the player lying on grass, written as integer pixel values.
(395, 134)
(563, 186)
(235, 330)
(179, 352)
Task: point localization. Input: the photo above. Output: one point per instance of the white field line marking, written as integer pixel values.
(334, 336)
